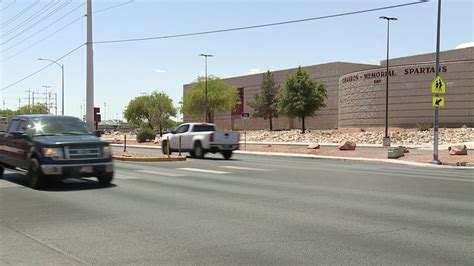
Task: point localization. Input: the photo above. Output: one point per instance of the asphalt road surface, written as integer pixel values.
(249, 210)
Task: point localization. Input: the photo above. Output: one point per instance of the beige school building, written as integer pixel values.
(356, 94)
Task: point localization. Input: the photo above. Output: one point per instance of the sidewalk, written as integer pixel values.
(418, 156)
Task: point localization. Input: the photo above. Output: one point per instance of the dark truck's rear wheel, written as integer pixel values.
(36, 179)
(227, 154)
(2, 170)
(105, 179)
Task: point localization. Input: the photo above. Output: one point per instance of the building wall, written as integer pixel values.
(324, 119)
(356, 94)
(362, 97)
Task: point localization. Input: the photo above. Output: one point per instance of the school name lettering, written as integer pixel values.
(381, 73)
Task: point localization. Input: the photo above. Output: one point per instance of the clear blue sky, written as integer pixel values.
(126, 70)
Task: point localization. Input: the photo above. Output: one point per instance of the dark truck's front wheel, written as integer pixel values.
(36, 179)
(105, 179)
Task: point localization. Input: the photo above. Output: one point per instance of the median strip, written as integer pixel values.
(142, 157)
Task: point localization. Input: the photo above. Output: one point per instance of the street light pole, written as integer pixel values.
(206, 107)
(62, 81)
(386, 139)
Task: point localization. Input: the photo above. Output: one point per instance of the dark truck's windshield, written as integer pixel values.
(50, 126)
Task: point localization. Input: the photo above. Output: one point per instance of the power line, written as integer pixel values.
(46, 27)
(30, 18)
(9, 5)
(112, 7)
(43, 68)
(10, 20)
(41, 40)
(38, 22)
(260, 25)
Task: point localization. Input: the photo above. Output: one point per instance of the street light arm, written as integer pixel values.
(52, 61)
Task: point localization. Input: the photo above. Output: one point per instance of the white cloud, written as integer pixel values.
(370, 61)
(465, 45)
(254, 71)
(159, 70)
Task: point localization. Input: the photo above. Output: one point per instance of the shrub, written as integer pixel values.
(424, 126)
(145, 134)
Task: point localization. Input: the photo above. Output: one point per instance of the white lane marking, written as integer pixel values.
(204, 171)
(7, 184)
(158, 172)
(246, 168)
(126, 177)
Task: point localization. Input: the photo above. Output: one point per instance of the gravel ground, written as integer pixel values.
(398, 136)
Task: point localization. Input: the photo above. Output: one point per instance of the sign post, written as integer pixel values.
(439, 88)
(245, 116)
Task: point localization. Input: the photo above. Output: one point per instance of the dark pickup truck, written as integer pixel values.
(52, 147)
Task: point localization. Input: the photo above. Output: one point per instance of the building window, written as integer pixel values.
(239, 107)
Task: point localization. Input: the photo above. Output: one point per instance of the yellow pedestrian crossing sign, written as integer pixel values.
(438, 102)
(438, 86)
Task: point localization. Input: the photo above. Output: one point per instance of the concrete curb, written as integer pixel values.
(393, 161)
(149, 159)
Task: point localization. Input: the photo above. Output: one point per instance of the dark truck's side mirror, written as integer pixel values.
(19, 134)
(97, 133)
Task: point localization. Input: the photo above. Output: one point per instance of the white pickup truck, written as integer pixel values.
(200, 138)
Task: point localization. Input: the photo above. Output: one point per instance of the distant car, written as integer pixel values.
(54, 147)
(200, 138)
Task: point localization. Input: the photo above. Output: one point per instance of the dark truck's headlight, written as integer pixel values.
(55, 153)
(106, 151)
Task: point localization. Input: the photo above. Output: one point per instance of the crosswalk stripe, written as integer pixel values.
(204, 171)
(158, 172)
(245, 168)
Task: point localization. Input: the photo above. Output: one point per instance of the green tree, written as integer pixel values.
(221, 97)
(161, 110)
(265, 104)
(302, 97)
(32, 109)
(136, 112)
(153, 111)
(7, 113)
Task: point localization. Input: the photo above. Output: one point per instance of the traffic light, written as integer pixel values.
(97, 114)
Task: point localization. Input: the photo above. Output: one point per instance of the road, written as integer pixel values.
(248, 210)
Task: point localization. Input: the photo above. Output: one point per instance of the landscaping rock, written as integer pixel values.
(405, 149)
(458, 150)
(347, 146)
(314, 146)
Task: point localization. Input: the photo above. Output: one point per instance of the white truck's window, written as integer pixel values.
(203, 128)
(182, 129)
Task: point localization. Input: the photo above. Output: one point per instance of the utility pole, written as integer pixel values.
(29, 97)
(90, 69)
(436, 110)
(105, 111)
(46, 97)
(19, 103)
